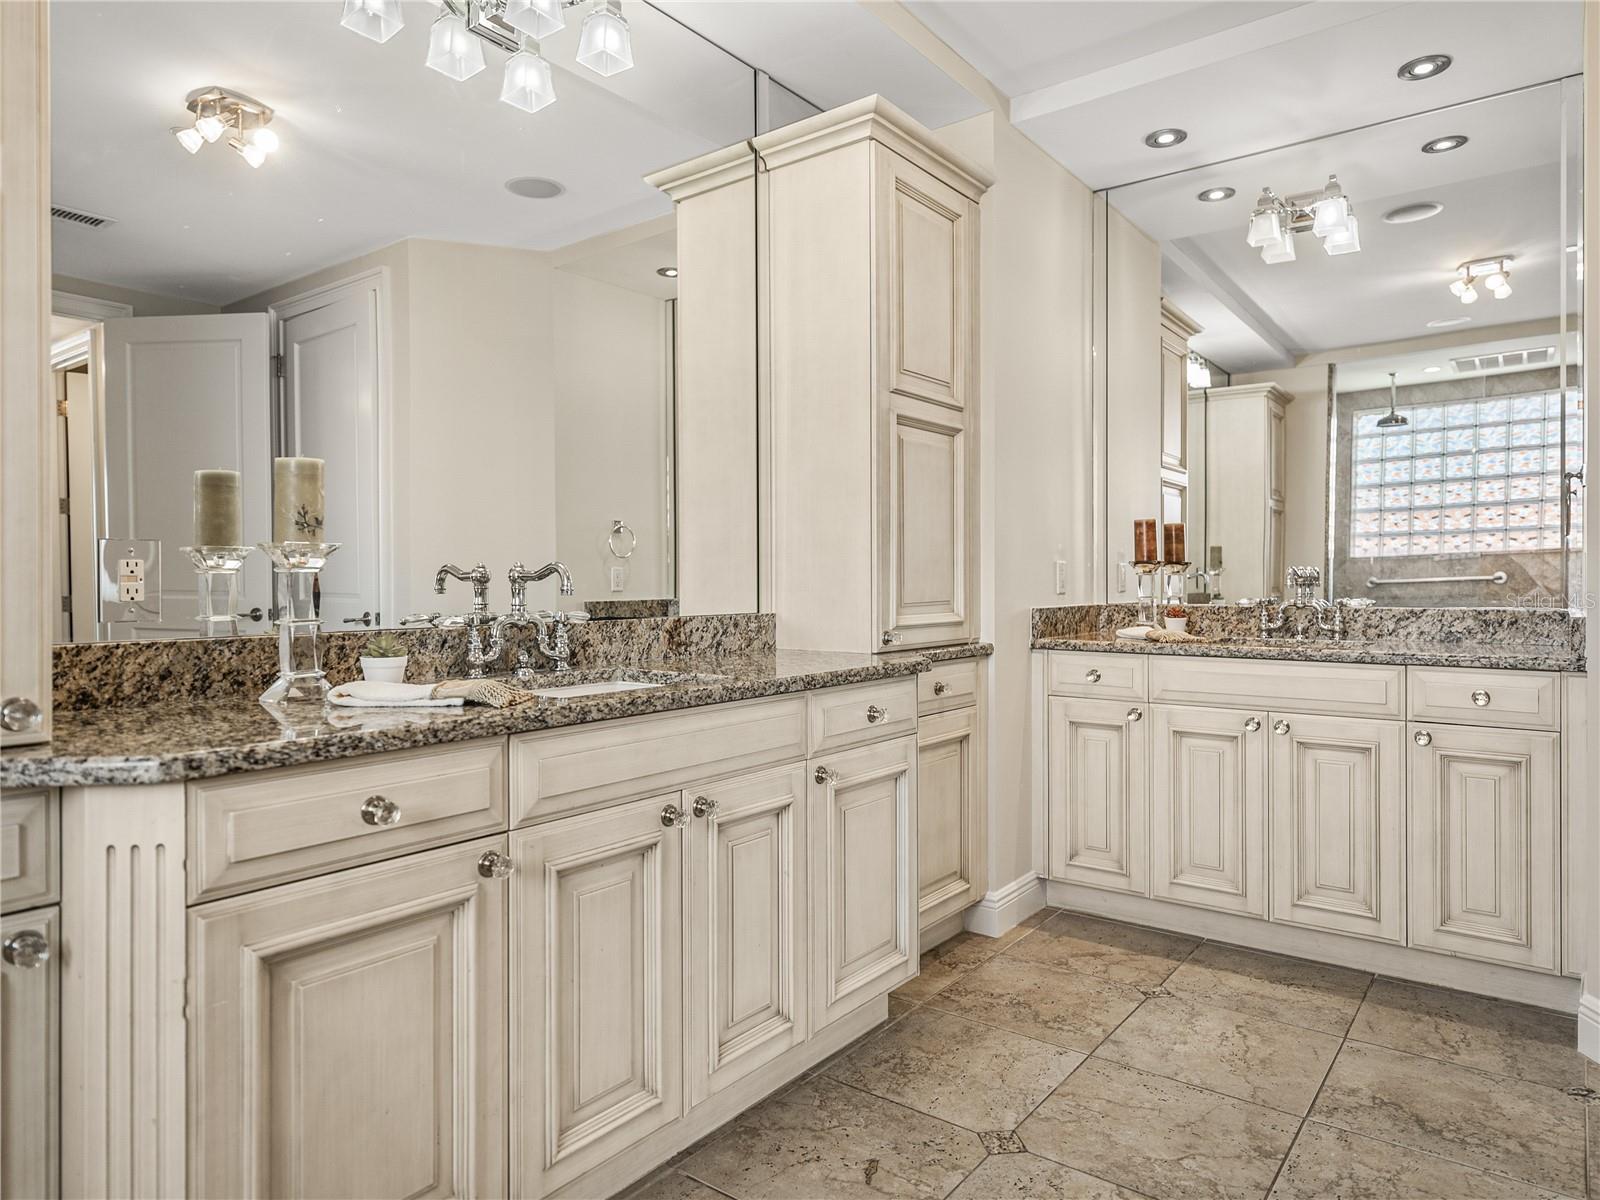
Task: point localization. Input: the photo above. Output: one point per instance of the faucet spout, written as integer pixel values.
(558, 569)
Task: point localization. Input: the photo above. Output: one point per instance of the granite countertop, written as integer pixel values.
(1505, 656)
(199, 739)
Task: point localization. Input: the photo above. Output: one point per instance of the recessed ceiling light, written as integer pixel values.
(1425, 67)
(532, 187)
(1444, 145)
(1161, 139)
(1448, 323)
(1431, 370)
(1408, 213)
(667, 272)
(1212, 195)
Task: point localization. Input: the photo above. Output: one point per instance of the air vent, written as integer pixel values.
(77, 217)
(1540, 356)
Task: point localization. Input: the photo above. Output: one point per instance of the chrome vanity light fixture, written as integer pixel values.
(218, 111)
(1392, 419)
(528, 82)
(1327, 214)
(604, 46)
(1492, 273)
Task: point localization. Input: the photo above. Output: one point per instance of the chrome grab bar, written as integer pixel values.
(1497, 577)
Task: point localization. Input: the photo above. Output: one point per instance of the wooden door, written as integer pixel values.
(950, 816)
(863, 875)
(30, 1068)
(1097, 803)
(597, 988)
(1484, 870)
(1208, 819)
(1338, 824)
(746, 925)
(348, 1034)
(925, 583)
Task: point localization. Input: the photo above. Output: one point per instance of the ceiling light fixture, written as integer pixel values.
(528, 83)
(1493, 273)
(604, 46)
(379, 20)
(452, 50)
(1392, 419)
(667, 272)
(218, 110)
(1197, 371)
(1328, 214)
(1431, 370)
(1407, 213)
(1162, 139)
(1425, 67)
(1212, 195)
(536, 18)
(1443, 145)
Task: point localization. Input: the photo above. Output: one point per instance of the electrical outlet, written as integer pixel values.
(1061, 577)
(130, 580)
(619, 578)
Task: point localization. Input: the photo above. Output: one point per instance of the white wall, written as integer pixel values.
(1305, 480)
(1133, 394)
(144, 304)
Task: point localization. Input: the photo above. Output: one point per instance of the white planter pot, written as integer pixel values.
(384, 670)
(1176, 624)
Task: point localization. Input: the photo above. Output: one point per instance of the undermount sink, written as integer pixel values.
(603, 687)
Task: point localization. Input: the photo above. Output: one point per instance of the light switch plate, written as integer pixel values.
(619, 578)
(130, 581)
(1061, 577)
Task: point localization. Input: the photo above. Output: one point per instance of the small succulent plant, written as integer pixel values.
(385, 645)
(1177, 611)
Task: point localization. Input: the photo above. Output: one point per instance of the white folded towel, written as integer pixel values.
(364, 694)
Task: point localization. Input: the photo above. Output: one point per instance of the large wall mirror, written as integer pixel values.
(1384, 386)
(464, 307)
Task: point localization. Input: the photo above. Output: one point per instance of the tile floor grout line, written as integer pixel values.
(1554, 1087)
(1284, 1161)
(963, 1180)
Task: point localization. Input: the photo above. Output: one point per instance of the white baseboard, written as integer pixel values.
(1589, 1026)
(1004, 908)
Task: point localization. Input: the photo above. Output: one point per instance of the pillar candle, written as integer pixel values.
(297, 503)
(1144, 540)
(216, 509)
(1172, 543)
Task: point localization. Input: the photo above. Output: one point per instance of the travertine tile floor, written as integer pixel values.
(1076, 1057)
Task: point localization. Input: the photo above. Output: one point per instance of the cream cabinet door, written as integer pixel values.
(1484, 870)
(30, 1065)
(1578, 806)
(950, 850)
(863, 875)
(925, 581)
(596, 987)
(1097, 803)
(747, 912)
(348, 1035)
(1208, 808)
(1338, 824)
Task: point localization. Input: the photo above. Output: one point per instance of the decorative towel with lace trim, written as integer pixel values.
(1153, 633)
(452, 693)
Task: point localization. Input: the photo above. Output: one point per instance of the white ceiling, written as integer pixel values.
(1436, 365)
(375, 147)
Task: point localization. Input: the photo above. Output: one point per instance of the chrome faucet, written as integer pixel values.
(1303, 583)
(554, 627)
(480, 618)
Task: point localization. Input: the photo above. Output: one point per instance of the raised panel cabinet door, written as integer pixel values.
(925, 255)
(597, 987)
(1208, 813)
(1578, 806)
(1174, 407)
(949, 814)
(1338, 824)
(30, 1065)
(347, 1034)
(1484, 870)
(925, 586)
(746, 995)
(863, 808)
(1097, 800)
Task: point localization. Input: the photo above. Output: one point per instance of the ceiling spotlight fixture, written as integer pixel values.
(1407, 213)
(379, 20)
(1392, 419)
(1160, 139)
(1443, 145)
(1327, 214)
(667, 272)
(1212, 195)
(1492, 273)
(217, 111)
(1425, 67)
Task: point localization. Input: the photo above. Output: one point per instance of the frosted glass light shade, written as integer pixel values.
(189, 138)
(210, 127)
(1469, 295)
(604, 46)
(1333, 217)
(254, 155)
(452, 49)
(1282, 252)
(1501, 292)
(536, 18)
(1266, 228)
(379, 20)
(263, 138)
(1346, 242)
(528, 83)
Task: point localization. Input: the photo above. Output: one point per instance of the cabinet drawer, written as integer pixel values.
(30, 848)
(1099, 676)
(867, 712)
(251, 830)
(1457, 695)
(568, 770)
(1337, 689)
(948, 685)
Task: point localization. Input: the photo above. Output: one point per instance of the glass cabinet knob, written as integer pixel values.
(1252, 724)
(1481, 698)
(1422, 737)
(27, 948)
(494, 865)
(380, 811)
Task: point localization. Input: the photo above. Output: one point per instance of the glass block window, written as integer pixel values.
(1474, 477)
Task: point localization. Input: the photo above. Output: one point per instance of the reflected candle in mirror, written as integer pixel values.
(297, 500)
(1172, 543)
(1144, 541)
(217, 521)
(1214, 559)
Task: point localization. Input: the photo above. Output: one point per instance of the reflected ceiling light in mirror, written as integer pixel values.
(536, 18)
(1392, 419)
(1327, 214)
(534, 187)
(1197, 371)
(218, 111)
(1431, 370)
(1283, 251)
(605, 46)
(452, 50)
(1448, 322)
(528, 83)
(1212, 195)
(1425, 67)
(1266, 222)
(379, 20)
(1493, 273)
(667, 272)
(1443, 145)
(1163, 139)
(1406, 214)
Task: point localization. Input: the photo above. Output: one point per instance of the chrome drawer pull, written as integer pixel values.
(494, 865)
(704, 807)
(1252, 724)
(381, 811)
(1092, 674)
(673, 815)
(1481, 698)
(1422, 737)
(876, 713)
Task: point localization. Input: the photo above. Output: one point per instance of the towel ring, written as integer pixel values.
(611, 539)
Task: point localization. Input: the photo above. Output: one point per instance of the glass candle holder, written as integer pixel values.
(216, 578)
(295, 566)
(1145, 577)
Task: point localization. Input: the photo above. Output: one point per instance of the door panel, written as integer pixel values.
(1484, 871)
(1338, 799)
(1098, 794)
(926, 589)
(747, 926)
(349, 1034)
(1208, 808)
(30, 1070)
(949, 816)
(596, 1010)
(863, 871)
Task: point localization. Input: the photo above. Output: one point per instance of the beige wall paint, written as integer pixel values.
(1133, 393)
(145, 304)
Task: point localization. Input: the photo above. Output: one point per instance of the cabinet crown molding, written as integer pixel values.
(1250, 391)
(1177, 320)
(706, 173)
